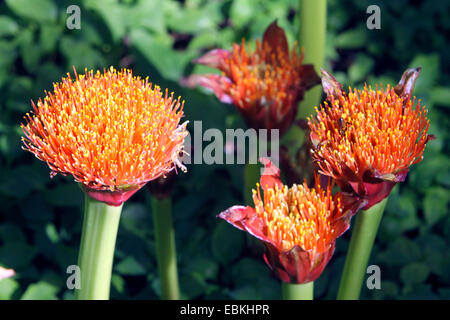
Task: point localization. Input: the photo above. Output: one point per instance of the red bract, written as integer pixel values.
(298, 225)
(366, 140)
(265, 85)
(112, 198)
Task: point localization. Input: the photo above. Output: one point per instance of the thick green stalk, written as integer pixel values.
(98, 240)
(361, 243)
(165, 248)
(312, 34)
(292, 291)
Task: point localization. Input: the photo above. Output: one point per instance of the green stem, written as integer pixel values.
(165, 248)
(98, 240)
(361, 243)
(292, 291)
(312, 34)
(252, 174)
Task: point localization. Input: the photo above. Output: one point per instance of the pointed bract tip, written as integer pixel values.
(270, 176)
(330, 85)
(407, 82)
(275, 37)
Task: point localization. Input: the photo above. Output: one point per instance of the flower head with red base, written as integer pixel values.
(298, 225)
(265, 85)
(367, 139)
(112, 131)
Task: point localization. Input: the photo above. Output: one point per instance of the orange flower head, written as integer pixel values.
(367, 139)
(112, 131)
(265, 85)
(297, 215)
(298, 225)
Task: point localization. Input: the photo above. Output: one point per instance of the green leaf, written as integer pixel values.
(360, 68)
(352, 39)
(118, 283)
(242, 11)
(9, 254)
(40, 291)
(294, 138)
(191, 286)
(39, 10)
(36, 211)
(203, 40)
(7, 288)
(248, 292)
(187, 206)
(389, 289)
(263, 288)
(420, 291)
(80, 54)
(424, 173)
(400, 252)
(414, 273)
(8, 26)
(434, 261)
(19, 87)
(196, 19)
(112, 14)
(19, 182)
(28, 51)
(227, 242)
(65, 255)
(11, 233)
(8, 54)
(135, 218)
(440, 96)
(444, 293)
(129, 266)
(137, 16)
(52, 233)
(158, 51)
(430, 71)
(65, 195)
(204, 267)
(249, 270)
(49, 36)
(402, 210)
(435, 204)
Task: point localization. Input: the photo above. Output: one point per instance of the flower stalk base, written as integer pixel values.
(361, 243)
(293, 291)
(98, 240)
(165, 248)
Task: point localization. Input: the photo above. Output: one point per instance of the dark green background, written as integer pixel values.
(40, 218)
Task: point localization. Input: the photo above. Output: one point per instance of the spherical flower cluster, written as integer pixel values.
(112, 131)
(298, 225)
(367, 139)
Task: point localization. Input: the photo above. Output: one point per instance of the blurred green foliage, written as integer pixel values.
(40, 218)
